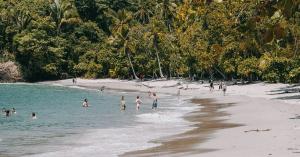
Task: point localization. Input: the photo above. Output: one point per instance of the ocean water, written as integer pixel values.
(64, 128)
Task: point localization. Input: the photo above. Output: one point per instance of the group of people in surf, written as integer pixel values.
(222, 86)
(10, 112)
(138, 102)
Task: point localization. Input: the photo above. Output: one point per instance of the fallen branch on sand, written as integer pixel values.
(148, 86)
(257, 130)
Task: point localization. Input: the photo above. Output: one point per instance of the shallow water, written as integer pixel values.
(64, 128)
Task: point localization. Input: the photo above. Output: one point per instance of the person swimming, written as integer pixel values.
(33, 115)
(7, 113)
(85, 103)
(122, 105)
(14, 110)
(138, 102)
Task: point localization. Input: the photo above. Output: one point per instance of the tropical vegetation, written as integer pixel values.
(209, 39)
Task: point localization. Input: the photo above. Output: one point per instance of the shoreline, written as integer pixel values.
(258, 107)
(205, 121)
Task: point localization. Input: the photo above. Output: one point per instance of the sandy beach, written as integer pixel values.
(250, 120)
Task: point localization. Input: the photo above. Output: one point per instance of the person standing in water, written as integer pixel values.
(138, 102)
(122, 105)
(154, 104)
(85, 103)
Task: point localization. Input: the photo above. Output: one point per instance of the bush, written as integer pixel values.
(294, 75)
(271, 77)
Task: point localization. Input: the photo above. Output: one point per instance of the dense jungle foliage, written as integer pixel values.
(241, 39)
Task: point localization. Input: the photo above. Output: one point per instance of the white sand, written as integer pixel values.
(258, 106)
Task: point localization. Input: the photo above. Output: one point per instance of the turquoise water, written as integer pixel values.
(60, 116)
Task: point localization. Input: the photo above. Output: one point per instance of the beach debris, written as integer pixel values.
(296, 152)
(257, 130)
(101, 89)
(296, 117)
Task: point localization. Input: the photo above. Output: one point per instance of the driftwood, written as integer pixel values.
(257, 130)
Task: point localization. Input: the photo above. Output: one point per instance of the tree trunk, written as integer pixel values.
(223, 75)
(170, 71)
(131, 65)
(211, 75)
(158, 60)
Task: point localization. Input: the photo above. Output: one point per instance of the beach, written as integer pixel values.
(250, 120)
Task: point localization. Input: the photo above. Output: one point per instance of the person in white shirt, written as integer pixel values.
(85, 103)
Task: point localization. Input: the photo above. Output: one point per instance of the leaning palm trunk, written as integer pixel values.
(158, 60)
(131, 65)
(223, 75)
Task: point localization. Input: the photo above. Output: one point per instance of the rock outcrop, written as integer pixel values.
(9, 72)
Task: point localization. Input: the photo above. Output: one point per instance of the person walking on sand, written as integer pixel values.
(138, 102)
(149, 93)
(211, 86)
(122, 105)
(154, 104)
(85, 103)
(224, 89)
(221, 85)
(178, 92)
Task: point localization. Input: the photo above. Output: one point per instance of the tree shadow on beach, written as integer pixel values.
(289, 97)
(286, 90)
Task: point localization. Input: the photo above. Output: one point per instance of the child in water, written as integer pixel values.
(122, 105)
(85, 103)
(154, 105)
(138, 102)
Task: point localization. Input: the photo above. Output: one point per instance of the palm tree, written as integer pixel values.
(144, 11)
(22, 19)
(59, 9)
(167, 12)
(121, 31)
(153, 36)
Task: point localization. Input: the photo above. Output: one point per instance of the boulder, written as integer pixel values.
(9, 72)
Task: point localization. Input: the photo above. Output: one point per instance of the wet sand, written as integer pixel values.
(206, 120)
